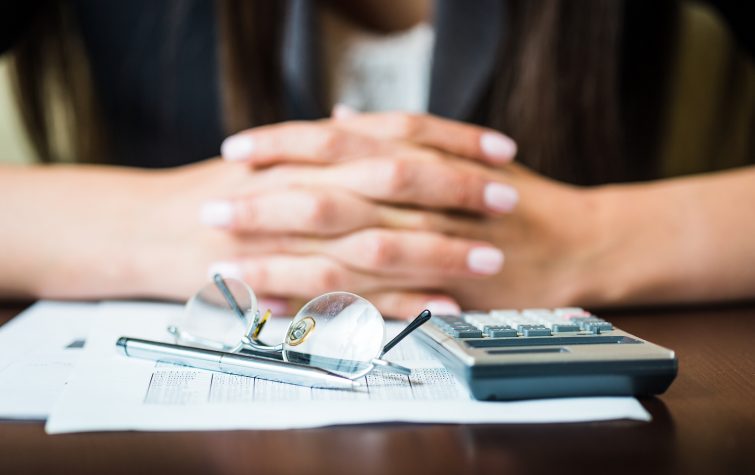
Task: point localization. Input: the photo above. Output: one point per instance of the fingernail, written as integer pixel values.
(278, 307)
(227, 270)
(237, 147)
(500, 197)
(342, 111)
(443, 307)
(217, 214)
(498, 147)
(485, 260)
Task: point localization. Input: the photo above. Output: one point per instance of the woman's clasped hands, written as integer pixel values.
(409, 211)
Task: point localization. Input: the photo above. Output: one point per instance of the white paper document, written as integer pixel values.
(108, 391)
(38, 350)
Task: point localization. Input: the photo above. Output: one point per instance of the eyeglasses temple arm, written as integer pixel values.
(421, 319)
(228, 296)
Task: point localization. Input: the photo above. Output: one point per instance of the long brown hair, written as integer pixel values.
(559, 87)
(571, 81)
(53, 87)
(580, 88)
(250, 98)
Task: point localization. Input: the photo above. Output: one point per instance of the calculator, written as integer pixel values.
(544, 353)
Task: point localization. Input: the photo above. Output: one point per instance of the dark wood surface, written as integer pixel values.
(705, 423)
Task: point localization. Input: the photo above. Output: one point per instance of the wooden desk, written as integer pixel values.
(705, 423)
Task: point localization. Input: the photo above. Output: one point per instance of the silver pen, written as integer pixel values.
(234, 363)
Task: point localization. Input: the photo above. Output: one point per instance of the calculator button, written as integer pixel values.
(583, 322)
(499, 331)
(461, 326)
(535, 311)
(577, 320)
(466, 333)
(534, 330)
(565, 328)
(537, 314)
(599, 327)
(505, 314)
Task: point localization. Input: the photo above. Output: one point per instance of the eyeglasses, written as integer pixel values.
(340, 334)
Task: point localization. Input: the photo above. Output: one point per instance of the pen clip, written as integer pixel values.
(421, 319)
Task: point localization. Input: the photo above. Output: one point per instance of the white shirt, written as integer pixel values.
(377, 72)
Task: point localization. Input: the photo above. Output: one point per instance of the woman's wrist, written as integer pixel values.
(165, 245)
(610, 271)
(643, 245)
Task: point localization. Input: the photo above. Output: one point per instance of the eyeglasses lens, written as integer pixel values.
(212, 321)
(340, 332)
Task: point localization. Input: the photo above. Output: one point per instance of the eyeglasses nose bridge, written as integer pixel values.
(256, 324)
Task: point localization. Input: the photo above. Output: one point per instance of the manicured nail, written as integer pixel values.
(500, 197)
(498, 147)
(237, 147)
(342, 111)
(485, 260)
(217, 214)
(278, 307)
(443, 307)
(227, 270)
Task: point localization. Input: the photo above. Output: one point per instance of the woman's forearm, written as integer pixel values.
(688, 239)
(66, 229)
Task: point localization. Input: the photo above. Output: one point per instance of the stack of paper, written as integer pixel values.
(108, 391)
(38, 350)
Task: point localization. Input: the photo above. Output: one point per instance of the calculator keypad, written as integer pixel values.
(536, 322)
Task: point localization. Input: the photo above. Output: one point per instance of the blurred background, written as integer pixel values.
(710, 110)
